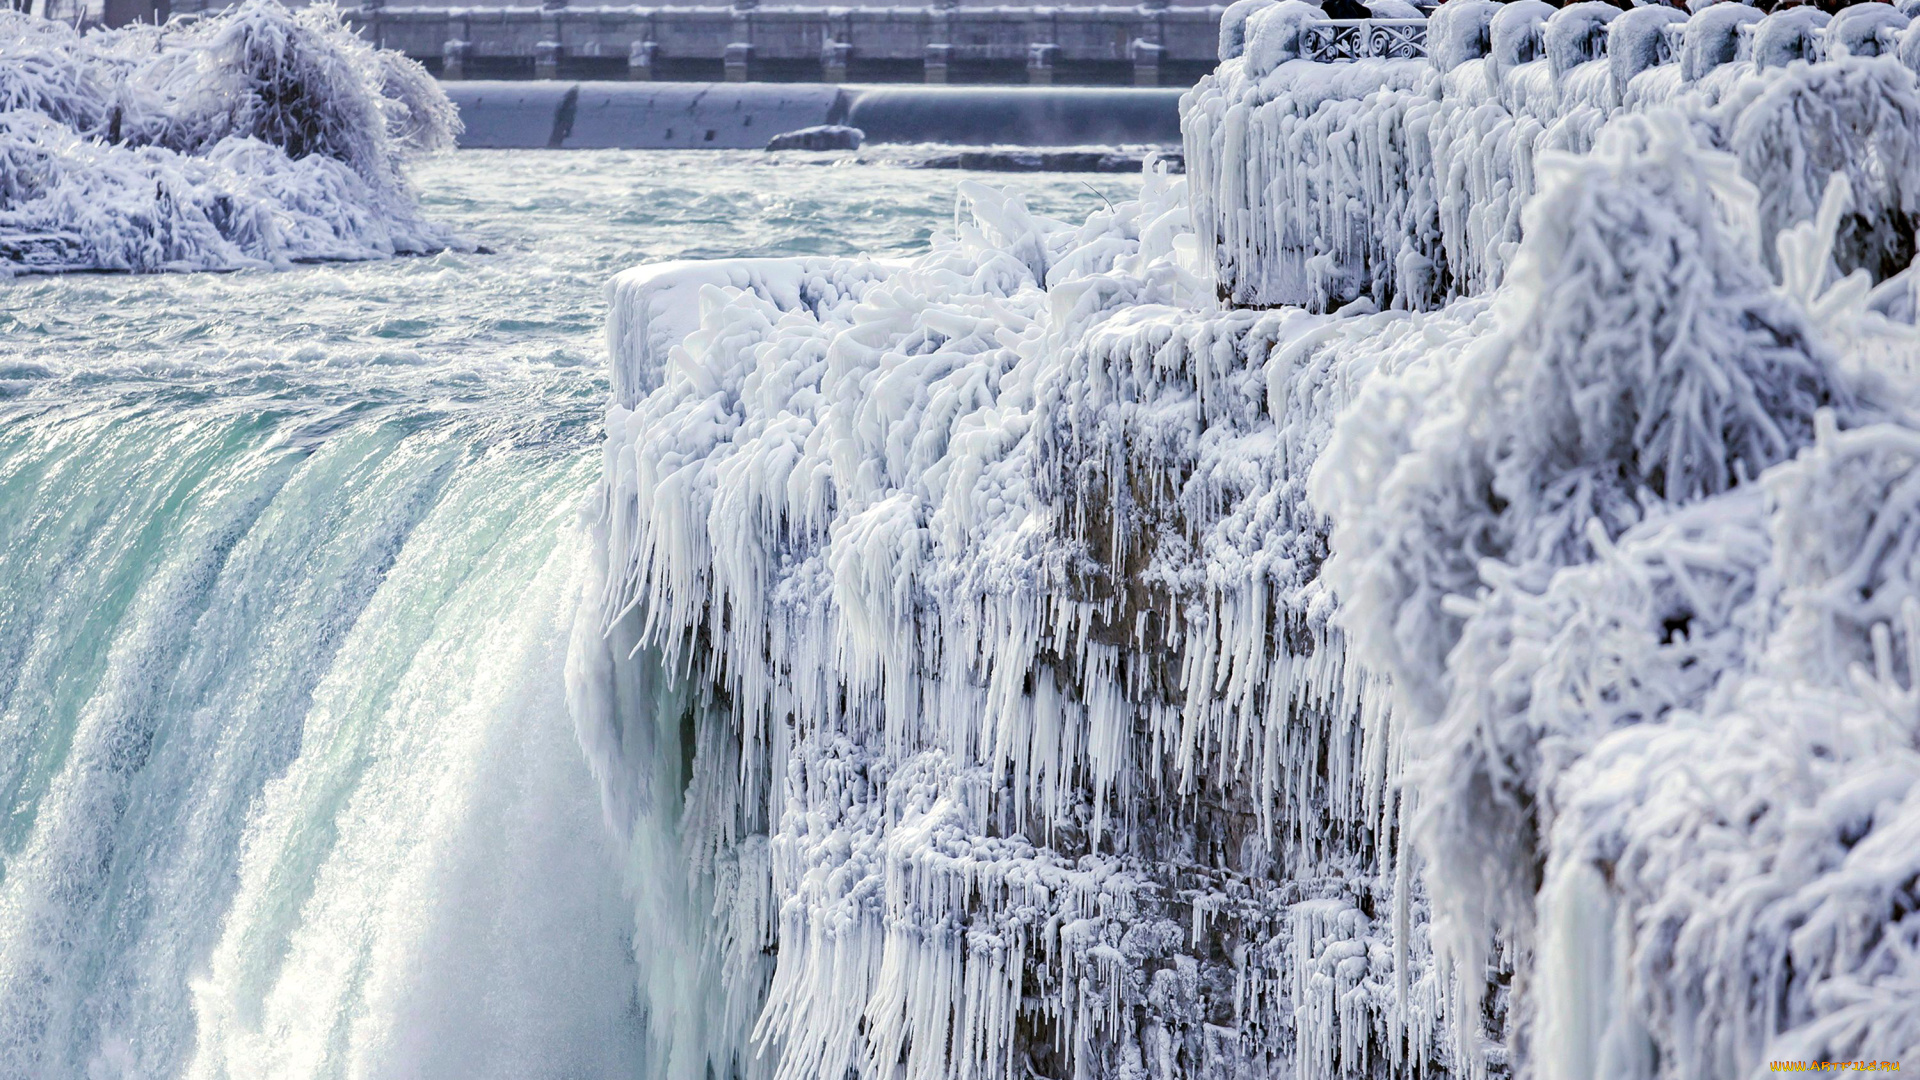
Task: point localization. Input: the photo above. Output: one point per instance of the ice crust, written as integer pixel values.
(1402, 181)
(257, 137)
(1500, 664)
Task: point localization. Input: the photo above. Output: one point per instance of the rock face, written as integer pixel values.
(821, 137)
(1428, 592)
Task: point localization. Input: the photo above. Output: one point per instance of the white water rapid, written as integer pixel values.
(290, 564)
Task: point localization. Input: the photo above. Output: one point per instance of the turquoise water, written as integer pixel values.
(288, 567)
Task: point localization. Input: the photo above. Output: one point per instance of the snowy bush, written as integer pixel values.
(1604, 574)
(1738, 880)
(1639, 357)
(256, 137)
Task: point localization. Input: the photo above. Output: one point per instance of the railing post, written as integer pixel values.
(939, 44)
(739, 61)
(1150, 45)
(1040, 58)
(739, 58)
(836, 46)
(1042, 34)
(833, 61)
(939, 54)
(546, 60)
(640, 60)
(453, 59)
(1146, 63)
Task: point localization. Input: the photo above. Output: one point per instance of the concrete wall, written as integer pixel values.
(570, 115)
(1018, 116)
(1086, 45)
(586, 115)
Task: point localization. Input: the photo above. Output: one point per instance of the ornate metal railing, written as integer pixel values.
(1335, 40)
(1340, 40)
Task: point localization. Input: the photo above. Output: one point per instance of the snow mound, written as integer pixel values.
(258, 137)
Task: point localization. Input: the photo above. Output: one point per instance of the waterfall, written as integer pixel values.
(289, 781)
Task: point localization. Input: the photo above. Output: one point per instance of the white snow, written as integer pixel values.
(1455, 610)
(257, 137)
(1402, 181)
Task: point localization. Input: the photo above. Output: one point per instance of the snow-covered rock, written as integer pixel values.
(819, 137)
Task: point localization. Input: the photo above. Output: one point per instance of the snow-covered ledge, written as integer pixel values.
(653, 307)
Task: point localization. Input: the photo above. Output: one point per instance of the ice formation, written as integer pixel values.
(258, 137)
(1432, 591)
(1403, 180)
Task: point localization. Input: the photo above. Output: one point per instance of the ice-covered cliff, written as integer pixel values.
(255, 137)
(1430, 592)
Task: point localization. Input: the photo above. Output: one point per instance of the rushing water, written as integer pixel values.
(288, 568)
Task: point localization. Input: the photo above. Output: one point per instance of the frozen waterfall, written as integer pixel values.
(1428, 592)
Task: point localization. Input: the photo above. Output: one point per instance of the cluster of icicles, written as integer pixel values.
(1404, 181)
(1083, 677)
(258, 137)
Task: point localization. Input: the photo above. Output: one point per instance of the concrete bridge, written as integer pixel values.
(1154, 44)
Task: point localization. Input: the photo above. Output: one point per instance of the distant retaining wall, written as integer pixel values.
(1148, 45)
(646, 116)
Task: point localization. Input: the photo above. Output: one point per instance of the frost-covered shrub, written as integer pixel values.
(1608, 641)
(258, 136)
(1735, 887)
(1640, 359)
(1541, 674)
(1846, 530)
(1858, 118)
(41, 73)
(307, 84)
(1741, 880)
